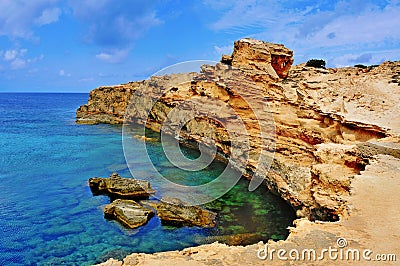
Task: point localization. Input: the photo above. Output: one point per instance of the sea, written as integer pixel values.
(48, 215)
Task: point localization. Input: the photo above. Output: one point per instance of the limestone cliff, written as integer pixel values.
(322, 117)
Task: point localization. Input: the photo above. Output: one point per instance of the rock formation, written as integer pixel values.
(118, 187)
(329, 126)
(128, 212)
(173, 211)
(317, 114)
(132, 214)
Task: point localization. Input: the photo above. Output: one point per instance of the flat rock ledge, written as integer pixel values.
(173, 211)
(118, 187)
(123, 208)
(128, 212)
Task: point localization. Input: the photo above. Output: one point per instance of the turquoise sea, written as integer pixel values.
(48, 215)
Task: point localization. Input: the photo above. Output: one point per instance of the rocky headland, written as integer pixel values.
(336, 143)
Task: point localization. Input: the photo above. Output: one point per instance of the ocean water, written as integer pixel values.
(48, 215)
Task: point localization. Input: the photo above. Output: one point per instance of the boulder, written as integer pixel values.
(176, 212)
(118, 187)
(128, 212)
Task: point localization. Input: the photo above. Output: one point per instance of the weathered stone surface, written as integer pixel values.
(128, 212)
(118, 187)
(271, 58)
(310, 107)
(232, 240)
(330, 125)
(175, 212)
(371, 226)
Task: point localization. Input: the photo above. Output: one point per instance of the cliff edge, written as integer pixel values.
(335, 135)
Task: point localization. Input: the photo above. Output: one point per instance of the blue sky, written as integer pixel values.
(77, 45)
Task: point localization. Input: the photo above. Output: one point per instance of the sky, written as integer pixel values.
(77, 45)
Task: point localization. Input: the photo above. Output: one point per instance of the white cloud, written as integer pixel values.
(18, 17)
(114, 56)
(48, 16)
(17, 59)
(62, 73)
(10, 55)
(315, 29)
(115, 26)
(18, 63)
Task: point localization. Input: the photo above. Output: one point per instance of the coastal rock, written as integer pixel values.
(263, 57)
(309, 107)
(173, 211)
(118, 187)
(321, 118)
(337, 136)
(128, 212)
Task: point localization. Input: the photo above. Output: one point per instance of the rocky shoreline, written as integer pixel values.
(331, 127)
(130, 209)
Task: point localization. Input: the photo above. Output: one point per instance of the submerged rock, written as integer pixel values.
(175, 212)
(128, 212)
(232, 240)
(119, 187)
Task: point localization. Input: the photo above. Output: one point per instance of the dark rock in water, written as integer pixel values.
(118, 187)
(118, 254)
(175, 212)
(128, 212)
(232, 240)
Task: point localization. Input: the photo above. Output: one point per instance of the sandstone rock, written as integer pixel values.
(274, 59)
(332, 127)
(232, 240)
(118, 187)
(128, 212)
(310, 107)
(175, 212)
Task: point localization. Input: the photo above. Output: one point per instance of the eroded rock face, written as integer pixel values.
(175, 212)
(128, 212)
(321, 116)
(271, 58)
(118, 187)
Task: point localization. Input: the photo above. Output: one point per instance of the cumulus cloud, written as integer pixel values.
(113, 56)
(18, 63)
(17, 59)
(62, 73)
(48, 16)
(10, 55)
(18, 17)
(115, 24)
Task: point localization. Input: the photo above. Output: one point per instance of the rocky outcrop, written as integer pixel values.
(318, 115)
(128, 212)
(108, 104)
(118, 187)
(260, 58)
(329, 124)
(370, 230)
(173, 211)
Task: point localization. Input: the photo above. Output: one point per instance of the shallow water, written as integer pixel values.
(49, 216)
